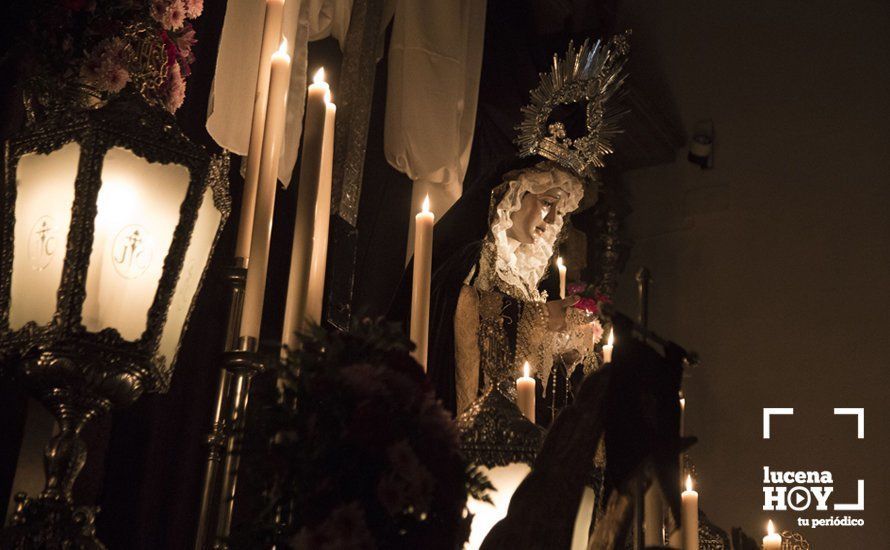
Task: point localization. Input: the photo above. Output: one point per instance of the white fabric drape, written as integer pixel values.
(234, 84)
(435, 58)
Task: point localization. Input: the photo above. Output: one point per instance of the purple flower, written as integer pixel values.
(169, 13)
(185, 41)
(106, 67)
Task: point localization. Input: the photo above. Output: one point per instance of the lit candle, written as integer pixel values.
(322, 218)
(255, 287)
(271, 37)
(682, 414)
(562, 277)
(772, 540)
(689, 516)
(295, 306)
(420, 294)
(608, 347)
(525, 393)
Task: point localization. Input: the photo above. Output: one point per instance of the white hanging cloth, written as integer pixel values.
(435, 59)
(232, 95)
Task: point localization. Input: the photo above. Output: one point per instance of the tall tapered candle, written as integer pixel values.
(608, 347)
(420, 293)
(255, 286)
(772, 540)
(525, 393)
(653, 514)
(304, 221)
(689, 516)
(271, 38)
(322, 218)
(562, 277)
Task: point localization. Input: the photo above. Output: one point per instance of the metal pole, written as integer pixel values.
(643, 279)
(217, 439)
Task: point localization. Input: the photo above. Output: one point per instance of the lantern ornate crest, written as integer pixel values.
(110, 217)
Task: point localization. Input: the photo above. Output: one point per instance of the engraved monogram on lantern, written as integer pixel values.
(131, 251)
(42, 243)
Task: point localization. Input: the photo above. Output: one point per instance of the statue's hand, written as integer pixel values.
(557, 309)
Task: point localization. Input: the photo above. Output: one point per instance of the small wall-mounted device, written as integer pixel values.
(701, 146)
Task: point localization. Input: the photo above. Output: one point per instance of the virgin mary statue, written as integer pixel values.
(489, 313)
(489, 316)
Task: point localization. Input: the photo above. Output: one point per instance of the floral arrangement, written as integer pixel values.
(98, 47)
(364, 456)
(591, 298)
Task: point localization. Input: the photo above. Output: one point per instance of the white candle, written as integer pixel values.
(689, 516)
(682, 414)
(255, 287)
(562, 277)
(608, 347)
(772, 540)
(295, 306)
(525, 393)
(322, 218)
(420, 293)
(653, 514)
(271, 38)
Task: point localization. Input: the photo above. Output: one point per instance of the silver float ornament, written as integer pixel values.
(110, 217)
(497, 437)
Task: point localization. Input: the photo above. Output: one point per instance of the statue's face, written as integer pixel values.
(537, 211)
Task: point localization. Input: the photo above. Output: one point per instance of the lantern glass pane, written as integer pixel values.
(44, 197)
(506, 480)
(137, 212)
(190, 277)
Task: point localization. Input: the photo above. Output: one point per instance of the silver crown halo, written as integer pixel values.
(592, 74)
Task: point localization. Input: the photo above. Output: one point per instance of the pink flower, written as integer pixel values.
(169, 13)
(587, 304)
(193, 8)
(597, 331)
(575, 288)
(185, 41)
(173, 90)
(106, 67)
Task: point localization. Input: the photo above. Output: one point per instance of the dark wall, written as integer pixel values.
(773, 265)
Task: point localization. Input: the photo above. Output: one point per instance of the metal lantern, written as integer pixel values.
(496, 437)
(110, 217)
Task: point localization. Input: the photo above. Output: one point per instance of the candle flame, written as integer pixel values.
(688, 482)
(525, 369)
(426, 204)
(319, 76)
(611, 340)
(559, 261)
(682, 402)
(327, 97)
(770, 528)
(282, 49)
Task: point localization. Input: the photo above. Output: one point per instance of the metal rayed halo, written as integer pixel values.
(592, 74)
